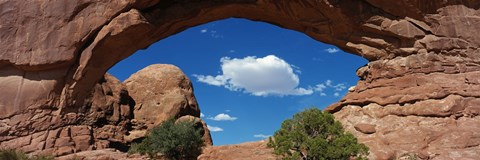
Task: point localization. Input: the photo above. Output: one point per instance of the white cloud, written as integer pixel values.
(214, 34)
(340, 87)
(214, 129)
(328, 84)
(223, 117)
(231, 51)
(336, 94)
(296, 69)
(202, 115)
(320, 87)
(265, 76)
(215, 81)
(332, 50)
(261, 136)
(227, 110)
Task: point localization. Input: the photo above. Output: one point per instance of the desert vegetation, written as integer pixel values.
(315, 135)
(172, 140)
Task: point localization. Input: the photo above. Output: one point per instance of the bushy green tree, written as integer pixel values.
(179, 140)
(315, 135)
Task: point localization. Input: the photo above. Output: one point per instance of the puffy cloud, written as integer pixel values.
(202, 115)
(214, 129)
(223, 117)
(204, 31)
(261, 136)
(332, 50)
(265, 76)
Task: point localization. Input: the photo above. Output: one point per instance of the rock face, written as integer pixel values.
(102, 154)
(106, 120)
(430, 129)
(160, 92)
(100, 123)
(424, 64)
(243, 151)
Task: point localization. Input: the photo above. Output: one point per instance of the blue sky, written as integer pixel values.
(250, 76)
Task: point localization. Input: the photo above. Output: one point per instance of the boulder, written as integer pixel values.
(365, 128)
(161, 92)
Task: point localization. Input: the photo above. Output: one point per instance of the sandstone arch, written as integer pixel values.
(421, 54)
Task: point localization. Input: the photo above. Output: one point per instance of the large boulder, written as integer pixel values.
(161, 92)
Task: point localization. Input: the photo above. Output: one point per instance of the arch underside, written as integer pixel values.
(421, 79)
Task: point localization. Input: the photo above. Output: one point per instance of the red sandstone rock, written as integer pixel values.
(422, 73)
(103, 154)
(243, 151)
(161, 92)
(365, 128)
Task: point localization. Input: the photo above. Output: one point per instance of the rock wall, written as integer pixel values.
(424, 59)
(110, 116)
(100, 123)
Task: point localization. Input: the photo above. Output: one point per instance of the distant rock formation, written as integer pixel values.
(244, 151)
(103, 154)
(422, 75)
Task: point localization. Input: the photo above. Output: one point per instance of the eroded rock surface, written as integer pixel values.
(103, 154)
(243, 151)
(400, 130)
(100, 123)
(424, 62)
(161, 92)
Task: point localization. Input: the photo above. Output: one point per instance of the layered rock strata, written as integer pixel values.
(423, 61)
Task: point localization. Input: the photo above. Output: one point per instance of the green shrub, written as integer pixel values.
(315, 135)
(179, 140)
(11, 154)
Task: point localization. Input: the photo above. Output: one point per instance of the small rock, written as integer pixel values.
(365, 128)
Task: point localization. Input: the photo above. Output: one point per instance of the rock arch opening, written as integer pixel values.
(423, 65)
(241, 70)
